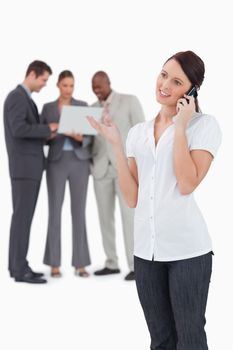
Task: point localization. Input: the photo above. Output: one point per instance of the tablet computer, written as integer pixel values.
(74, 119)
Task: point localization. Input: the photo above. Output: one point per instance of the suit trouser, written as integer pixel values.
(24, 198)
(106, 190)
(76, 172)
(173, 296)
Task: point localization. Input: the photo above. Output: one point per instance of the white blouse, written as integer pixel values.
(168, 225)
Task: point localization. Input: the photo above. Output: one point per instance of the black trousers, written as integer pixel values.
(24, 198)
(173, 296)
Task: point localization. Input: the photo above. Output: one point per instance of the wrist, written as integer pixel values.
(118, 148)
(180, 127)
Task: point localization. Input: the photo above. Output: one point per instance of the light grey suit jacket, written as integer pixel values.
(125, 111)
(50, 113)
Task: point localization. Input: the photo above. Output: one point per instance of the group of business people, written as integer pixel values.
(70, 159)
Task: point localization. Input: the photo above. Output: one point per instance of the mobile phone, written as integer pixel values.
(192, 92)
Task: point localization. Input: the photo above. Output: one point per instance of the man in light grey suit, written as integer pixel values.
(125, 111)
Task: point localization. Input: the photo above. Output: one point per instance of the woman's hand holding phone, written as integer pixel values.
(185, 110)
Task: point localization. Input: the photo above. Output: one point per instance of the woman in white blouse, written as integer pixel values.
(167, 159)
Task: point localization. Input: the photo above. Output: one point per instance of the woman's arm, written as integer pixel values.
(127, 176)
(126, 169)
(190, 166)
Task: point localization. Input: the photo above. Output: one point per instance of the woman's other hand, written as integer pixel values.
(107, 129)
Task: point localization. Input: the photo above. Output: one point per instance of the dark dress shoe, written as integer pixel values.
(36, 274)
(106, 271)
(130, 276)
(29, 277)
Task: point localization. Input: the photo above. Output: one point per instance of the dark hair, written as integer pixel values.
(101, 74)
(39, 67)
(65, 74)
(193, 67)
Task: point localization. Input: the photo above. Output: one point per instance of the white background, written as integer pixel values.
(130, 40)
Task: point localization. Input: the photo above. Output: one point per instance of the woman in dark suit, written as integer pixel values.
(68, 160)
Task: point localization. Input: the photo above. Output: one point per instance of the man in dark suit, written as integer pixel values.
(25, 136)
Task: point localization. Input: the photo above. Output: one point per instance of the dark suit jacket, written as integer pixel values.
(24, 135)
(50, 113)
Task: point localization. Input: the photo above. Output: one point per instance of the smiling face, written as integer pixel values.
(101, 87)
(66, 87)
(172, 84)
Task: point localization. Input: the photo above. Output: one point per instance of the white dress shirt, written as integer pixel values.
(168, 226)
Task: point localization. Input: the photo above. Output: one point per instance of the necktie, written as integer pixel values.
(105, 113)
(36, 111)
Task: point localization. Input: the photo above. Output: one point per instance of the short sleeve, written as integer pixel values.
(130, 142)
(207, 135)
